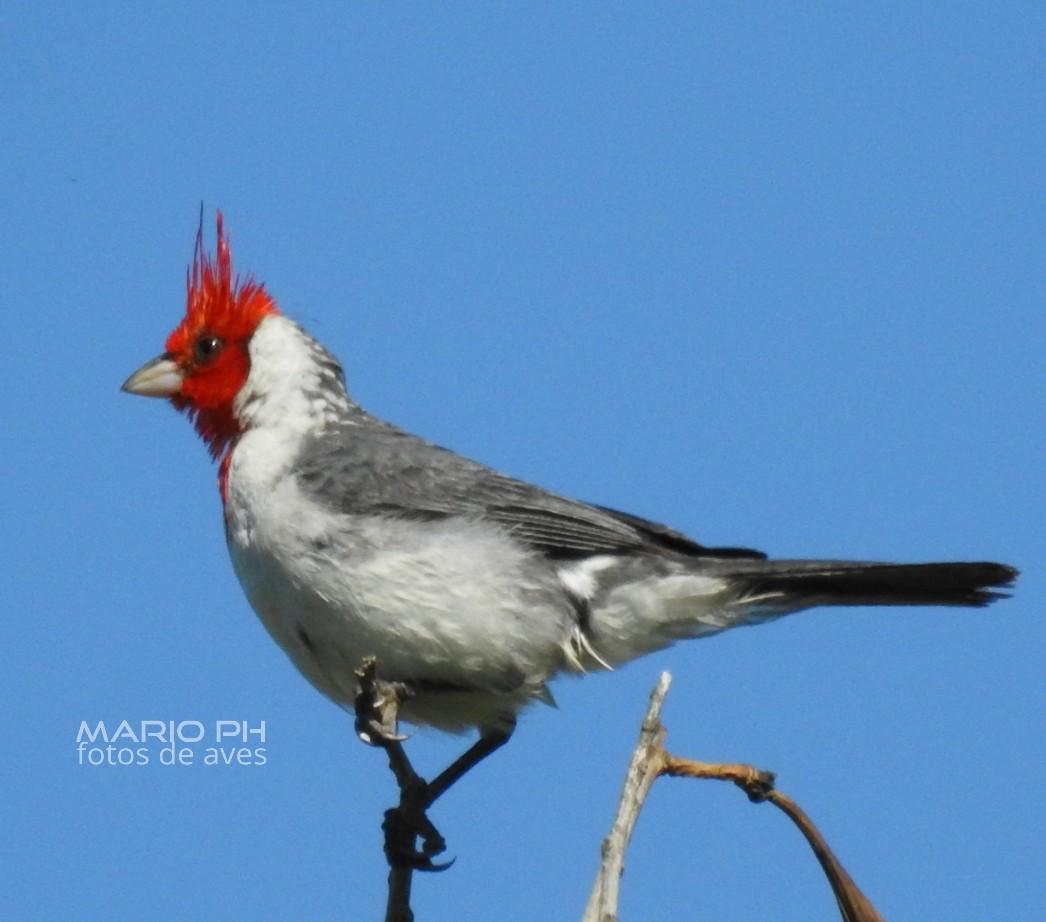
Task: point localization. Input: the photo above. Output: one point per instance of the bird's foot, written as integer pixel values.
(377, 707)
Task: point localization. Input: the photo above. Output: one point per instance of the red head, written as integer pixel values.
(206, 362)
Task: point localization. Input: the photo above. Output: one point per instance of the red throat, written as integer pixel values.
(210, 344)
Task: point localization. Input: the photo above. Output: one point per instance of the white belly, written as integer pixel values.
(451, 604)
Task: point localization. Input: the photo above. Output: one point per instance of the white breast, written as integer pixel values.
(453, 603)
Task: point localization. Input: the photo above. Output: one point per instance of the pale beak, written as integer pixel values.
(159, 378)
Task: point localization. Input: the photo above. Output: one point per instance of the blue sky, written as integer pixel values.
(775, 277)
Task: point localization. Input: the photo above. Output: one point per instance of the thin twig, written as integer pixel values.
(650, 760)
(645, 766)
(854, 906)
(397, 907)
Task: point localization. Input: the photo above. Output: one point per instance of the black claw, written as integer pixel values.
(418, 862)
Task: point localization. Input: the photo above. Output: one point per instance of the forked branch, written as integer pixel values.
(649, 761)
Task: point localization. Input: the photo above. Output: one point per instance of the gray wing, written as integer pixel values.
(372, 467)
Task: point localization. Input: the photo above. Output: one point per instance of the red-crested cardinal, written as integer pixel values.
(352, 538)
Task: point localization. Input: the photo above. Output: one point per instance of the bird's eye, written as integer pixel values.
(206, 348)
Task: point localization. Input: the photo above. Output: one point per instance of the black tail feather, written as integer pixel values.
(802, 583)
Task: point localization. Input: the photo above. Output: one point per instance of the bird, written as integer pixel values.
(470, 589)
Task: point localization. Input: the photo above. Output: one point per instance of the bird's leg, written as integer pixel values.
(405, 823)
(488, 742)
(376, 707)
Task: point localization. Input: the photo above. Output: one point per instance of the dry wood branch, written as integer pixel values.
(854, 906)
(650, 760)
(645, 766)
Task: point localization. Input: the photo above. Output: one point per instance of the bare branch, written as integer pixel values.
(854, 906)
(649, 760)
(397, 907)
(755, 782)
(645, 766)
